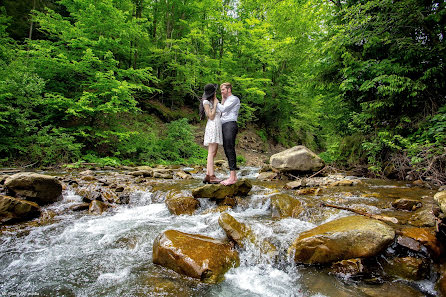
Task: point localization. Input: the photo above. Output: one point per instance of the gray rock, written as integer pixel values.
(298, 158)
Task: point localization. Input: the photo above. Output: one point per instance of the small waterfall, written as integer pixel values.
(111, 254)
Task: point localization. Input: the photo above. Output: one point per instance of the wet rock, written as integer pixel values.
(194, 255)
(424, 236)
(88, 178)
(239, 232)
(348, 267)
(163, 173)
(86, 172)
(88, 194)
(406, 267)
(143, 173)
(108, 195)
(267, 175)
(284, 206)
(440, 198)
(422, 218)
(97, 207)
(265, 168)
(406, 204)
(14, 209)
(119, 189)
(297, 184)
(39, 188)
(80, 207)
(123, 198)
(409, 243)
(219, 191)
(182, 205)
(229, 201)
(341, 239)
(298, 158)
(390, 290)
(309, 191)
(183, 175)
(345, 183)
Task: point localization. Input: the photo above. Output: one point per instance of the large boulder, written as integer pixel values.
(298, 158)
(13, 209)
(342, 239)
(219, 191)
(194, 255)
(39, 188)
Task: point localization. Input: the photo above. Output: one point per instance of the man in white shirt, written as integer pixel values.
(229, 107)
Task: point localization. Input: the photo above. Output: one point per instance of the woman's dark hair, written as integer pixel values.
(209, 94)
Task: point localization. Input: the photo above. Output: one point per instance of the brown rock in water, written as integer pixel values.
(267, 175)
(348, 267)
(422, 218)
(309, 191)
(89, 193)
(298, 158)
(406, 204)
(97, 207)
(440, 198)
(80, 207)
(342, 239)
(163, 173)
(183, 175)
(39, 188)
(143, 173)
(14, 210)
(193, 255)
(182, 205)
(297, 184)
(407, 267)
(390, 289)
(239, 232)
(219, 191)
(425, 236)
(284, 206)
(345, 183)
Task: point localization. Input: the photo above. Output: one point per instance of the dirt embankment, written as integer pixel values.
(249, 145)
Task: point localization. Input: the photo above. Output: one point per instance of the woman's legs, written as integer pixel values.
(212, 152)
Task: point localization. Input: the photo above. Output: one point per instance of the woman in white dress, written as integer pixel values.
(213, 135)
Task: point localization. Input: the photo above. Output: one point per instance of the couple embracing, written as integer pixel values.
(221, 128)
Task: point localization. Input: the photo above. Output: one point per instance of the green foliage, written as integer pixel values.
(241, 160)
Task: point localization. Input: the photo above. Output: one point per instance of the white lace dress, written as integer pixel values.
(213, 132)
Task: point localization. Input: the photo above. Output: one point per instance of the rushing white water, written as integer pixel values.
(111, 254)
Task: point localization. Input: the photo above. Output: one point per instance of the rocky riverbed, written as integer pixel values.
(160, 232)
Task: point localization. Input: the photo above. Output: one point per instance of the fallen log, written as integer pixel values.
(373, 216)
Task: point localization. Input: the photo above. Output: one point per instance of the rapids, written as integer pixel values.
(77, 254)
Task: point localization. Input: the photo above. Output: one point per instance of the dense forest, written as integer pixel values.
(118, 81)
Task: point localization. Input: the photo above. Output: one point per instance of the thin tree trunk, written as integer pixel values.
(30, 34)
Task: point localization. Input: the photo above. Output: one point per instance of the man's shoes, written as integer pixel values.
(211, 179)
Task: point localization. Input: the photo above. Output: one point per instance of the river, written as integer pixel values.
(78, 254)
